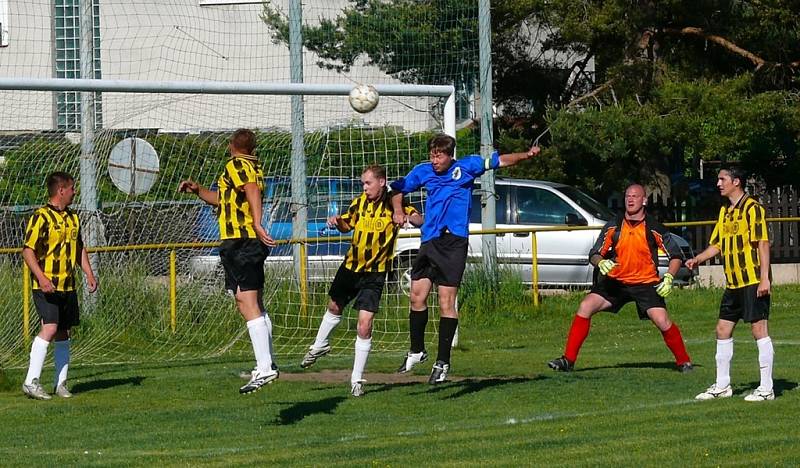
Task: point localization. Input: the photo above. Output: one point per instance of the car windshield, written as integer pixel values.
(586, 202)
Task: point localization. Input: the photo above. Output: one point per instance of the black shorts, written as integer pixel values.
(743, 304)
(442, 260)
(618, 294)
(243, 261)
(57, 307)
(365, 287)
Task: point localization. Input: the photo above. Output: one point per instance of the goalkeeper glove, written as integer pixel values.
(606, 265)
(665, 286)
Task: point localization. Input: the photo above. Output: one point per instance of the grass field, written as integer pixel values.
(624, 404)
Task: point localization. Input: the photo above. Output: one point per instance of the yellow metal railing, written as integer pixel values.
(173, 247)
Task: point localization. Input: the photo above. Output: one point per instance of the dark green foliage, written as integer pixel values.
(416, 42)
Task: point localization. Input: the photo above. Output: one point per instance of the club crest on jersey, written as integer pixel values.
(456, 174)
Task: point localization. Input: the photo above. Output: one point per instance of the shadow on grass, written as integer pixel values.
(470, 386)
(370, 389)
(103, 384)
(636, 365)
(778, 385)
(298, 411)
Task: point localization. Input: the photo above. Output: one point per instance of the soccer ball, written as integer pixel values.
(363, 98)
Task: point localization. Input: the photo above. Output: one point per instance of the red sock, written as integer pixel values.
(577, 334)
(674, 341)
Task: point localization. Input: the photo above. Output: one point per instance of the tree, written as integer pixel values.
(605, 82)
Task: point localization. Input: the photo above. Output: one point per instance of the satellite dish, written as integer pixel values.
(133, 166)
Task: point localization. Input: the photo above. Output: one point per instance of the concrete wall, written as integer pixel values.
(714, 275)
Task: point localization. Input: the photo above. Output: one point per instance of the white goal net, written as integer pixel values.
(135, 217)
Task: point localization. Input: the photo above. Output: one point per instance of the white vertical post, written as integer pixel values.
(299, 196)
(88, 162)
(488, 216)
(450, 114)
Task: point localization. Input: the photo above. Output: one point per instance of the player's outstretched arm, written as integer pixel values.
(711, 252)
(339, 223)
(511, 159)
(209, 196)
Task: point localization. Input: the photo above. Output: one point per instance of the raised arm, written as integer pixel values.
(209, 196)
(511, 159)
(711, 252)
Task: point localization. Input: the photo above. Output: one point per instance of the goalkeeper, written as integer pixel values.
(626, 257)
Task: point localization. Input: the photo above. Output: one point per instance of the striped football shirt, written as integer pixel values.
(55, 237)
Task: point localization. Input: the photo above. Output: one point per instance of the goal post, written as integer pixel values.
(179, 129)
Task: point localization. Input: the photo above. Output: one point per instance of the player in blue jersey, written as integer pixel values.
(442, 256)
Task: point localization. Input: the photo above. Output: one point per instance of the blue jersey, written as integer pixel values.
(449, 195)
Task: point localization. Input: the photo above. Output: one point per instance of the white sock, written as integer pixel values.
(269, 334)
(724, 356)
(61, 358)
(765, 355)
(38, 353)
(260, 341)
(360, 361)
(329, 322)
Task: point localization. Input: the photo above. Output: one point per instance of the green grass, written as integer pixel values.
(624, 404)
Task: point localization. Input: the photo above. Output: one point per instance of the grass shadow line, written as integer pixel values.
(779, 386)
(103, 384)
(636, 365)
(468, 386)
(299, 411)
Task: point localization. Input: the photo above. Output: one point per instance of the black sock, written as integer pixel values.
(417, 321)
(447, 331)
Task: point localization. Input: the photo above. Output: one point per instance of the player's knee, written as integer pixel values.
(418, 302)
(365, 331)
(334, 308)
(723, 332)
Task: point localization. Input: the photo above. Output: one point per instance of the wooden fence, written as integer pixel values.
(779, 203)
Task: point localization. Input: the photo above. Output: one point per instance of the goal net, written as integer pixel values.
(141, 144)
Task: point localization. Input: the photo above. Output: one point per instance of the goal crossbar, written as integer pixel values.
(232, 87)
(214, 87)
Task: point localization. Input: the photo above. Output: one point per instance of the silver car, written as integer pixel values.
(563, 256)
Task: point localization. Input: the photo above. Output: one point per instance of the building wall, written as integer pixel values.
(28, 54)
(180, 40)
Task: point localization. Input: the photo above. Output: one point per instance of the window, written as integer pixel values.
(68, 60)
(539, 206)
(500, 204)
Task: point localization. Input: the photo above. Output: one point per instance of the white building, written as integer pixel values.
(182, 40)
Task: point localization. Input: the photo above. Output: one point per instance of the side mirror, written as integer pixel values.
(572, 219)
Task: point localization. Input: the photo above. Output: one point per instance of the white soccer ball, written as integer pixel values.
(363, 98)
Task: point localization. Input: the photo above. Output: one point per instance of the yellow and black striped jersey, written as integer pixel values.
(736, 234)
(374, 234)
(235, 219)
(55, 238)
